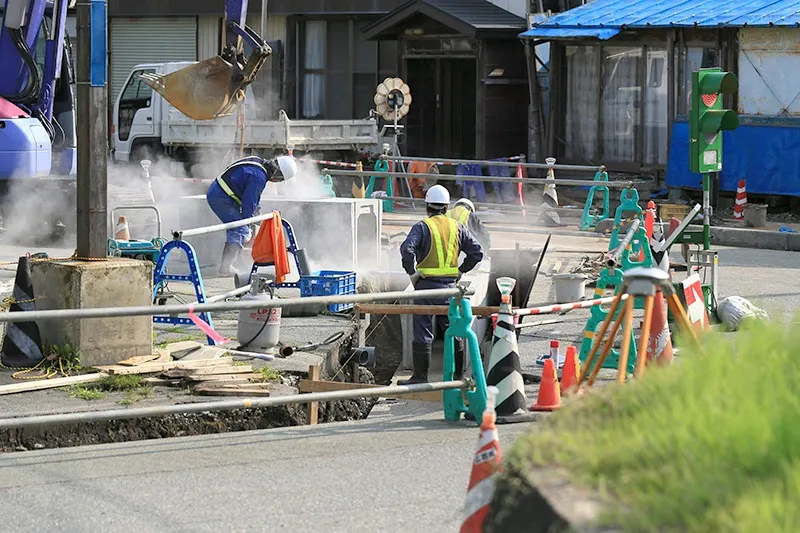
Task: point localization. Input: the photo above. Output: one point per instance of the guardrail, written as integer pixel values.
(500, 163)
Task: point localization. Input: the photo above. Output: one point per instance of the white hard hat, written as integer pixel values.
(466, 202)
(437, 195)
(288, 166)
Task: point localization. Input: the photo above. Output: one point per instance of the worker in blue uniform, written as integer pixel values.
(236, 195)
(430, 257)
(464, 212)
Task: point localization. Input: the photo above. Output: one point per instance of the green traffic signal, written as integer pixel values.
(715, 120)
(708, 119)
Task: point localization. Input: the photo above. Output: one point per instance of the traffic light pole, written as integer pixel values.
(706, 211)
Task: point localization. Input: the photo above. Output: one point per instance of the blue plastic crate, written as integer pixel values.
(329, 283)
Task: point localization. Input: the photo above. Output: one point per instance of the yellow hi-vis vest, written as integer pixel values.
(442, 258)
(461, 214)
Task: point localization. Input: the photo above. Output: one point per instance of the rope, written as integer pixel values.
(73, 257)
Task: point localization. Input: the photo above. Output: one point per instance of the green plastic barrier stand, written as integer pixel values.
(589, 221)
(382, 165)
(460, 315)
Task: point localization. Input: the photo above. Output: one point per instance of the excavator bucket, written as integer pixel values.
(202, 91)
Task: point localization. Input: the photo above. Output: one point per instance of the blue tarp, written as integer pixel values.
(768, 157)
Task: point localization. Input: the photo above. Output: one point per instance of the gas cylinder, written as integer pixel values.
(259, 329)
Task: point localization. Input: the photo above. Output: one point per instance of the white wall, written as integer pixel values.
(769, 71)
(518, 7)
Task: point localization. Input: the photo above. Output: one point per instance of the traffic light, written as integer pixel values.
(707, 118)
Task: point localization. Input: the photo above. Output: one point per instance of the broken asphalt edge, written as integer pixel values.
(544, 500)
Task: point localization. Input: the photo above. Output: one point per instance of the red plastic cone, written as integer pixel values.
(659, 345)
(549, 391)
(569, 376)
(486, 466)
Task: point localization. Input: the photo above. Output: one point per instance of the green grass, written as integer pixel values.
(83, 392)
(709, 444)
(269, 374)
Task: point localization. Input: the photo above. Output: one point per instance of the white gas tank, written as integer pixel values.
(259, 329)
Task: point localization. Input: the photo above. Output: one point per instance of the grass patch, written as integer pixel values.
(269, 374)
(83, 392)
(710, 444)
(134, 395)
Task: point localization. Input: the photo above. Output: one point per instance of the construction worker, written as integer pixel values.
(430, 257)
(464, 212)
(236, 195)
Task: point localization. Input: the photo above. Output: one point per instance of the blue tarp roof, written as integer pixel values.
(603, 19)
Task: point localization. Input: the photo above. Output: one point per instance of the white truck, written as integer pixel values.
(145, 125)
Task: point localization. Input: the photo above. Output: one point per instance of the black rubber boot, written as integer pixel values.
(422, 361)
(458, 352)
(229, 255)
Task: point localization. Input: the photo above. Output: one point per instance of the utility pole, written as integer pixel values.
(92, 128)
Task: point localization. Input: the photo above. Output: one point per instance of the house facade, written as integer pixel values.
(621, 87)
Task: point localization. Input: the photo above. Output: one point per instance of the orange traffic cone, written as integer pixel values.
(569, 376)
(121, 232)
(549, 392)
(486, 466)
(659, 345)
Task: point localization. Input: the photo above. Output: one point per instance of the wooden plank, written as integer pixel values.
(152, 368)
(213, 389)
(139, 359)
(227, 377)
(312, 415)
(411, 309)
(307, 385)
(41, 384)
(208, 371)
(161, 382)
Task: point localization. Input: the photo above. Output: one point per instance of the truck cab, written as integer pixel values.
(139, 113)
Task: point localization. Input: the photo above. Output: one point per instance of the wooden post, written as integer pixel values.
(312, 415)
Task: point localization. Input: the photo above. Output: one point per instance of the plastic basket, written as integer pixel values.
(329, 283)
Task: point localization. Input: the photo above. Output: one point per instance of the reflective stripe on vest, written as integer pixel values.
(227, 186)
(461, 214)
(444, 231)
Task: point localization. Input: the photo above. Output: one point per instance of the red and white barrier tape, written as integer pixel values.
(334, 163)
(548, 309)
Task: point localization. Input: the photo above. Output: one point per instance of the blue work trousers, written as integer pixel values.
(227, 210)
(423, 324)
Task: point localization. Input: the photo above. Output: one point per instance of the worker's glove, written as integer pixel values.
(415, 277)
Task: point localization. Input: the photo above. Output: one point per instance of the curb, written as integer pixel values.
(543, 500)
(754, 238)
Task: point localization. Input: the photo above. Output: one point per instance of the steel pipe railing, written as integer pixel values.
(221, 227)
(614, 257)
(152, 310)
(627, 184)
(489, 163)
(226, 405)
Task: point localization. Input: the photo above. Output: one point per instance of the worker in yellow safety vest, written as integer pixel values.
(464, 212)
(430, 257)
(236, 195)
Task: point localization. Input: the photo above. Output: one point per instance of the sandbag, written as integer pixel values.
(735, 312)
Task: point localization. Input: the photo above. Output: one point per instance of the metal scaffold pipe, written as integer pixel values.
(502, 163)
(152, 310)
(226, 405)
(220, 227)
(614, 257)
(627, 184)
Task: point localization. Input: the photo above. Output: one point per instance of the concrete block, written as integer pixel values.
(89, 284)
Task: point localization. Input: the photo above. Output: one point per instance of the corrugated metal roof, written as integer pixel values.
(616, 15)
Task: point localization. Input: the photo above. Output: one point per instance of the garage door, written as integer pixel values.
(144, 40)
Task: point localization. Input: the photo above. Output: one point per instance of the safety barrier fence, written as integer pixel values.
(620, 184)
(228, 405)
(455, 162)
(558, 308)
(242, 305)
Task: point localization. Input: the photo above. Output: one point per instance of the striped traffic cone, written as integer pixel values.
(549, 216)
(121, 231)
(659, 344)
(505, 371)
(660, 258)
(486, 467)
(741, 200)
(22, 345)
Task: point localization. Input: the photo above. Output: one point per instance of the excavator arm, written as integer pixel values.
(211, 88)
